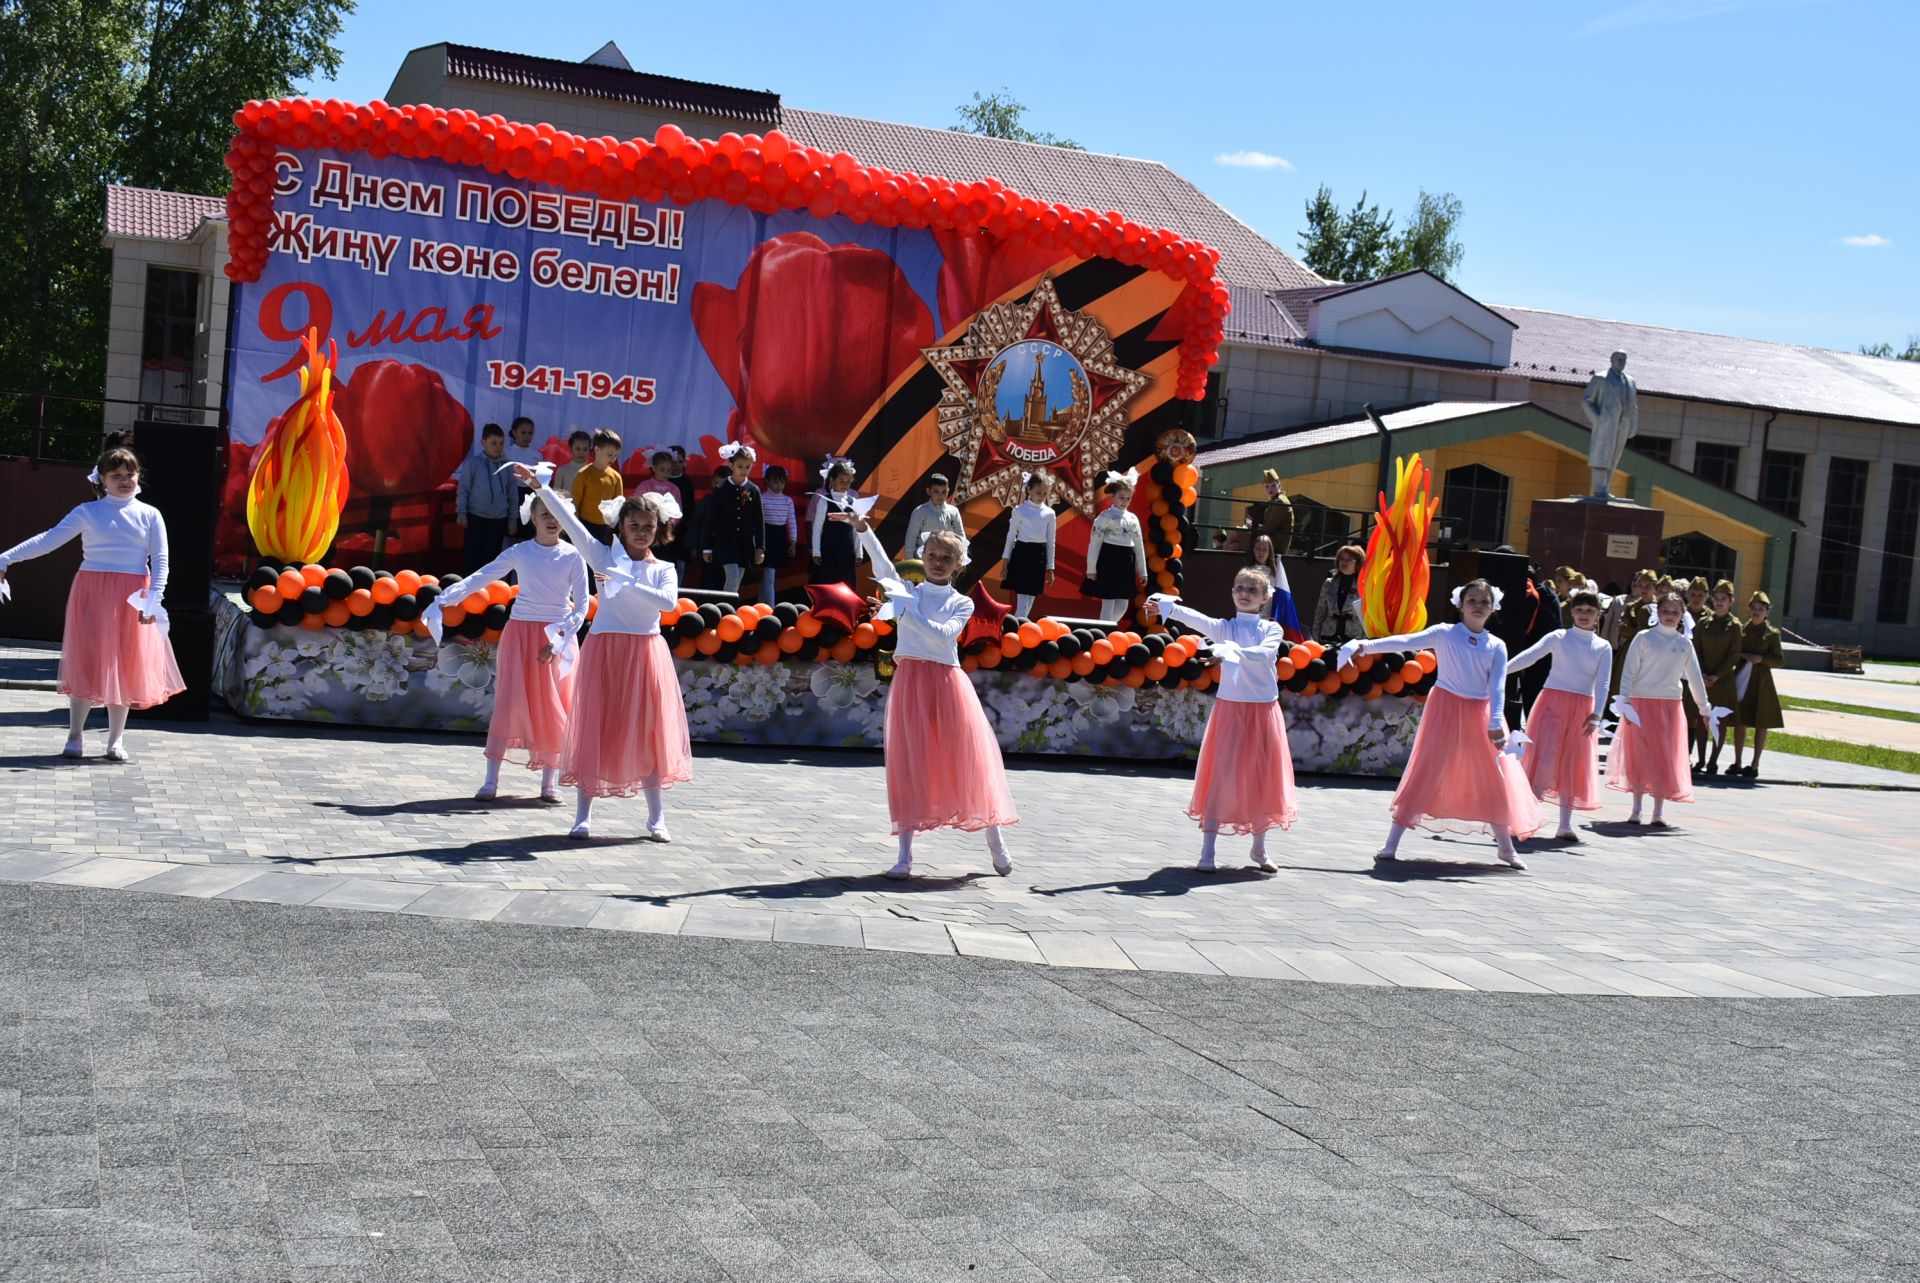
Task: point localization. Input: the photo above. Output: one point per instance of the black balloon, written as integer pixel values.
(726, 653)
(1011, 623)
(1156, 645)
(289, 615)
(362, 576)
(262, 618)
(1176, 565)
(712, 614)
(1172, 681)
(768, 629)
(428, 594)
(449, 579)
(262, 575)
(1138, 655)
(1069, 645)
(383, 574)
(1047, 651)
(1162, 472)
(809, 650)
(787, 613)
(382, 617)
(406, 606)
(1192, 669)
(1317, 670)
(690, 625)
(313, 601)
(336, 585)
(496, 617)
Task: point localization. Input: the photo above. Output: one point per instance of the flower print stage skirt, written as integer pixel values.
(1244, 781)
(106, 654)
(1457, 781)
(628, 731)
(531, 700)
(944, 769)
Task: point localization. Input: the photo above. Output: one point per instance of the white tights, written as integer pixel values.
(996, 843)
(1023, 605)
(656, 807)
(1210, 838)
(1502, 838)
(1659, 804)
(77, 710)
(1111, 608)
(1566, 817)
(548, 778)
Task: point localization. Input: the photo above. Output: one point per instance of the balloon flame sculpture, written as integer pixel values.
(1393, 583)
(299, 482)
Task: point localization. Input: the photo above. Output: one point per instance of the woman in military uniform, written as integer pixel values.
(1717, 641)
(1759, 701)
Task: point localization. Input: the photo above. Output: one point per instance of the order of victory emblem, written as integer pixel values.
(1033, 385)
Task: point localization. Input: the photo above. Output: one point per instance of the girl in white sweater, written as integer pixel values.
(1650, 749)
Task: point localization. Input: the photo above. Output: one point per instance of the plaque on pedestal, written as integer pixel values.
(1606, 541)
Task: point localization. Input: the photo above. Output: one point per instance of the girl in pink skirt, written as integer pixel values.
(1244, 780)
(1458, 775)
(1564, 725)
(114, 650)
(533, 676)
(628, 733)
(1649, 754)
(943, 763)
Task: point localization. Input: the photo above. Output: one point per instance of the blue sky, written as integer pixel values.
(1738, 166)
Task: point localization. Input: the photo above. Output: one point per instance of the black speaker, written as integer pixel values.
(182, 470)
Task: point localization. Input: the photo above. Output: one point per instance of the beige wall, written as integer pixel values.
(205, 254)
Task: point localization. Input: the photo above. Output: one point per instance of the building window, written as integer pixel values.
(1318, 529)
(1693, 555)
(1475, 503)
(1843, 522)
(167, 344)
(1782, 475)
(1660, 448)
(1717, 465)
(1903, 528)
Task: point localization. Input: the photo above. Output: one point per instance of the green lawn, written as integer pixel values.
(1886, 759)
(1859, 710)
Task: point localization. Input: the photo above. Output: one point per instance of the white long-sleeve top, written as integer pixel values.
(1246, 645)
(1471, 665)
(119, 536)
(1582, 663)
(1659, 660)
(929, 517)
(1031, 523)
(553, 582)
(1120, 527)
(929, 618)
(826, 504)
(634, 592)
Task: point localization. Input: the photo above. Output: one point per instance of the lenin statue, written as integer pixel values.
(1612, 406)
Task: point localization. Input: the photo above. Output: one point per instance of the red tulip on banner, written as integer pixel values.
(978, 268)
(809, 338)
(405, 432)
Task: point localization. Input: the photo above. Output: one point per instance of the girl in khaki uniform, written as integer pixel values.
(1759, 702)
(1717, 641)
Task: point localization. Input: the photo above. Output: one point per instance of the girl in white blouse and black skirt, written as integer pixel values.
(1029, 550)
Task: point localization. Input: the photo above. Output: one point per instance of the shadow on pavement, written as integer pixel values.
(468, 805)
(1175, 879)
(490, 851)
(824, 887)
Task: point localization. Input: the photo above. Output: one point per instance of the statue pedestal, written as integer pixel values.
(1605, 540)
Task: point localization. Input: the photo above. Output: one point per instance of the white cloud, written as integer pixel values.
(1872, 240)
(1253, 160)
(1648, 13)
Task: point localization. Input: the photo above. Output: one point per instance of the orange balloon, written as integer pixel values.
(1102, 652)
(1365, 662)
(491, 637)
(313, 575)
(1082, 663)
(475, 603)
(1410, 672)
(684, 648)
(1135, 677)
(1189, 496)
(1426, 661)
(1186, 476)
(791, 641)
(1060, 669)
(452, 616)
(408, 581)
(1160, 508)
(768, 654)
(384, 591)
(864, 637)
(844, 650)
(1178, 551)
(686, 606)
(1300, 656)
(405, 627)
(1347, 674)
(808, 625)
(1030, 635)
(593, 606)
(969, 664)
(1167, 582)
(1315, 649)
(730, 628)
(1203, 681)
(360, 603)
(989, 658)
(1331, 685)
(291, 584)
(1393, 685)
(499, 592)
(1156, 669)
(1156, 563)
(266, 599)
(1373, 692)
(744, 658)
(1010, 645)
(883, 627)
(1284, 670)
(312, 622)
(336, 614)
(668, 618)
(708, 643)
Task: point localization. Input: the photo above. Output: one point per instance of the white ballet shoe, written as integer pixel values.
(485, 793)
(1205, 864)
(902, 869)
(1262, 862)
(1512, 858)
(117, 753)
(658, 832)
(581, 831)
(1002, 863)
(550, 798)
(74, 751)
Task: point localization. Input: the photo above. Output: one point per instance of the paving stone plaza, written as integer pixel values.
(288, 1004)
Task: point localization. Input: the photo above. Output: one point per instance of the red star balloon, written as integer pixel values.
(987, 614)
(837, 604)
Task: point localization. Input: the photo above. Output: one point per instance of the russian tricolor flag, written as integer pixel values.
(1284, 613)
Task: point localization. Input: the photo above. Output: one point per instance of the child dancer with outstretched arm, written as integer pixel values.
(1457, 771)
(1244, 781)
(628, 732)
(1650, 748)
(114, 651)
(943, 764)
(1564, 727)
(533, 678)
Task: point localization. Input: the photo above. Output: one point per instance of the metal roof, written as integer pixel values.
(598, 80)
(145, 214)
(1288, 440)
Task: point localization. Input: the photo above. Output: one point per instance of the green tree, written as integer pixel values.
(1909, 353)
(1362, 245)
(999, 115)
(120, 91)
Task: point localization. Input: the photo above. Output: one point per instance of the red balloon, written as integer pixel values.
(987, 614)
(837, 604)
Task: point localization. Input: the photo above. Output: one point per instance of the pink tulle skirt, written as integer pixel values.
(530, 700)
(106, 654)
(1652, 757)
(1244, 782)
(629, 727)
(1563, 760)
(943, 763)
(1456, 780)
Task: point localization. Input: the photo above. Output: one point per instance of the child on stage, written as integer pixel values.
(533, 679)
(935, 514)
(114, 649)
(943, 764)
(1244, 780)
(1564, 726)
(1029, 550)
(1650, 748)
(1457, 771)
(628, 732)
(733, 531)
(1116, 550)
(836, 553)
(782, 531)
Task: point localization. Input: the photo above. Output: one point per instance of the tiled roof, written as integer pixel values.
(1258, 317)
(146, 214)
(596, 80)
(1143, 190)
(1558, 348)
(1348, 429)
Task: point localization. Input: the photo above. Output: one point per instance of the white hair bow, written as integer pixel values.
(1130, 479)
(832, 459)
(552, 496)
(965, 545)
(732, 448)
(1498, 596)
(93, 477)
